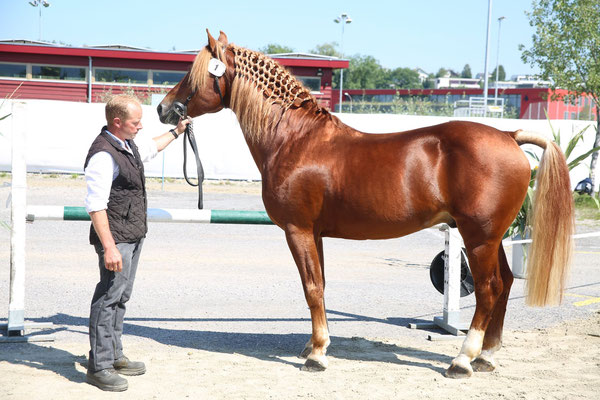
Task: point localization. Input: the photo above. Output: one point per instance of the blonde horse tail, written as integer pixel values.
(553, 224)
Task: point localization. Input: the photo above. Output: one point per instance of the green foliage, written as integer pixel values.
(326, 49)
(521, 222)
(403, 78)
(565, 47)
(442, 72)
(274, 48)
(411, 105)
(364, 73)
(586, 206)
(144, 96)
(501, 74)
(466, 72)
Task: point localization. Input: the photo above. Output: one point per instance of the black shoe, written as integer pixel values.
(130, 368)
(107, 379)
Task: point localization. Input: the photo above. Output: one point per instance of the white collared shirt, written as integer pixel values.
(102, 170)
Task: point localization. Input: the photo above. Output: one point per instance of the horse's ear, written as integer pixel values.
(223, 38)
(212, 43)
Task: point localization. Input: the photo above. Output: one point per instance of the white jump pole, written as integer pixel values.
(451, 318)
(16, 305)
(16, 326)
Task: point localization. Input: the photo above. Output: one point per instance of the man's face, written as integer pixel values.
(133, 123)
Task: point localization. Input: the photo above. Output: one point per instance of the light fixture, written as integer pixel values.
(40, 3)
(343, 19)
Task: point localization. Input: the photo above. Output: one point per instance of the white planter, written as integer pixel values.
(519, 258)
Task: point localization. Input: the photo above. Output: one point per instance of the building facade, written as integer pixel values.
(35, 70)
(523, 103)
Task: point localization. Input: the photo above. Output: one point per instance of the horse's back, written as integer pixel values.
(362, 186)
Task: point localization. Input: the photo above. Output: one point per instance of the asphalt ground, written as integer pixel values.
(235, 287)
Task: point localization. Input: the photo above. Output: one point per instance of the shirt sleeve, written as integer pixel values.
(99, 175)
(146, 147)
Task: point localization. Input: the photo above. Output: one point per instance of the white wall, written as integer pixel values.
(60, 133)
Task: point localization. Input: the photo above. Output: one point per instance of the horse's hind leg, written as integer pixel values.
(493, 334)
(304, 249)
(483, 258)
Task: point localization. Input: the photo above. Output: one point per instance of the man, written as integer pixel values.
(116, 202)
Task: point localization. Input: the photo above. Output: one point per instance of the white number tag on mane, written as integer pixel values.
(216, 67)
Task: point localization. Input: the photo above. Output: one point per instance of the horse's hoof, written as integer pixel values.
(312, 365)
(457, 371)
(482, 365)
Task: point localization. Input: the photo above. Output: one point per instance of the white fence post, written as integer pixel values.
(16, 304)
(16, 326)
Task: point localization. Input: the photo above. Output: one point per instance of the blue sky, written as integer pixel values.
(428, 34)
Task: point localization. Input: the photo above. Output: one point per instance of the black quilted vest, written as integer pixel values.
(127, 202)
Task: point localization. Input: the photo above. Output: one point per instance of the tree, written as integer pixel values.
(403, 78)
(429, 82)
(566, 48)
(501, 74)
(274, 48)
(327, 49)
(365, 72)
(442, 73)
(466, 72)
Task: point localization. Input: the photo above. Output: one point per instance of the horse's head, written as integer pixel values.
(205, 88)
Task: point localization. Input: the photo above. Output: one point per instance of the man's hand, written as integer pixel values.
(112, 255)
(165, 139)
(112, 259)
(183, 123)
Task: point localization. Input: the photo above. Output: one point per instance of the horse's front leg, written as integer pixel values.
(304, 250)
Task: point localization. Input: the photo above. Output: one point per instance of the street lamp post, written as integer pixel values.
(342, 19)
(350, 97)
(497, 61)
(485, 69)
(39, 4)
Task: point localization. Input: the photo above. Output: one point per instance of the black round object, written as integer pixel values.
(436, 273)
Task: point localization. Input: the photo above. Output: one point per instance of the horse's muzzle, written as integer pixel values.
(170, 115)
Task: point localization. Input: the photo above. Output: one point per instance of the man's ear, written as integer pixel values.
(116, 122)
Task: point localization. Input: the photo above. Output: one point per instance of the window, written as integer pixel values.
(121, 75)
(167, 78)
(61, 73)
(311, 82)
(13, 70)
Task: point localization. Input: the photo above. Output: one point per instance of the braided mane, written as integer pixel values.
(259, 83)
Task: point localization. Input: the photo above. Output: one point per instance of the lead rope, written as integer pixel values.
(189, 135)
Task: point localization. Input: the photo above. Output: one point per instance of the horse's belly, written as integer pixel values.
(362, 228)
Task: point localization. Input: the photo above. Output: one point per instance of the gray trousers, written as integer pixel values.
(108, 306)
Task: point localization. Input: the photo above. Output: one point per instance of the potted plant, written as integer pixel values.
(521, 228)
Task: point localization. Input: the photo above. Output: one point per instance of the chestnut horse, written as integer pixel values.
(321, 178)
